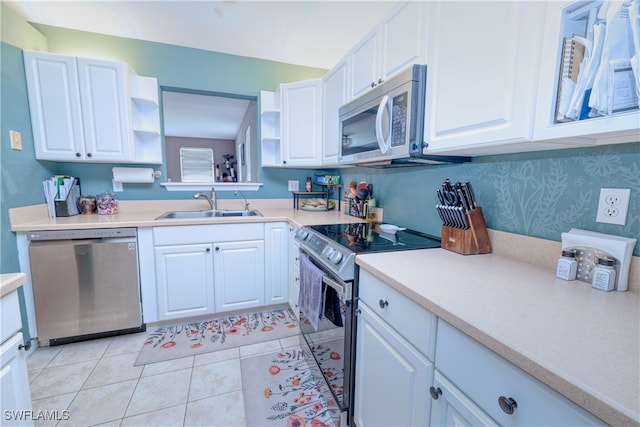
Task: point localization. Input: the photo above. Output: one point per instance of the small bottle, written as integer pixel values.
(604, 275)
(567, 265)
(217, 172)
(308, 184)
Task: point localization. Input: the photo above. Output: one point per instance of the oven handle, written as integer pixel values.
(335, 285)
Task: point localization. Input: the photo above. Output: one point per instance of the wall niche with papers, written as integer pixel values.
(589, 87)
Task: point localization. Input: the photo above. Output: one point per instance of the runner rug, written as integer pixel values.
(282, 390)
(173, 342)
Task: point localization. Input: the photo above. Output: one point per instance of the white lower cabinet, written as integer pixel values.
(392, 377)
(294, 271)
(238, 274)
(184, 279)
(393, 372)
(276, 262)
(205, 269)
(14, 380)
(451, 407)
(499, 389)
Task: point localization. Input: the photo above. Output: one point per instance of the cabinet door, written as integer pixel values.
(451, 407)
(239, 274)
(184, 277)
(364, 62)
(294, 272)
(54, 103)
(482, 73)
(16, 395)
(105, 109)
(276, 262)
(335, 95)
(392, 378)
(403, 39)
(302, 122)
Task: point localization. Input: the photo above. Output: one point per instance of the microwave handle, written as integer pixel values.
(383, 140)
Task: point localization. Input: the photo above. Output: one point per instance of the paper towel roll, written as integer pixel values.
(133, 175)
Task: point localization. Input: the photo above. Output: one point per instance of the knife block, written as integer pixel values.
(474, 240)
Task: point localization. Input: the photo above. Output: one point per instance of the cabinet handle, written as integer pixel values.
(383, 303)
(507, 404)
(26, 346)
(435, 392)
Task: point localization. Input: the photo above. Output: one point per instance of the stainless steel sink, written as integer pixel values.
(208, 214)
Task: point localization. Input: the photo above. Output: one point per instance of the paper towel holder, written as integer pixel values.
(118, 179)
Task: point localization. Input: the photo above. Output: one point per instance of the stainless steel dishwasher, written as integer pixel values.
(85, 284)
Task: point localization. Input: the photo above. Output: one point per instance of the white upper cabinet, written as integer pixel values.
(566, 19)
(398, 41)
(302, 123)
(54, 102)
(81, 110)
(335, 94)
(482, 68)
(105, 109)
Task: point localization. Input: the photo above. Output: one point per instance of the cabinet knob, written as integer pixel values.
(78, 155)
(217, 248)
(380, 81)
(383, 303)
(507, 404)
(208, 249)
(373, 84)
(284, 162)
(435, 392)
(89, 155)
(26, 346)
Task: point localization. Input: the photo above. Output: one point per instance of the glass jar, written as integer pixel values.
(86, 204)
(107, 203)
(567, 265)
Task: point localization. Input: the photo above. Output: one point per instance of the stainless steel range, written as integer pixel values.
(332, 249)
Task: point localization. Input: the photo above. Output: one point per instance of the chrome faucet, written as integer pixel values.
(246, 203)
(213, 201)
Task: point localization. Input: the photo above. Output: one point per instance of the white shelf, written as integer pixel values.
(218, 186)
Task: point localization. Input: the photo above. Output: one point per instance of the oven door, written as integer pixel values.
(331, 344)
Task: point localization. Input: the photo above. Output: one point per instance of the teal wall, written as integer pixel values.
(538, 194)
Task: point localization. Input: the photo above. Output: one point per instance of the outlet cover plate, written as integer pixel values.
(613, 205)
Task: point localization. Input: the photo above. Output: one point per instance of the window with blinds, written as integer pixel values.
(196, 164)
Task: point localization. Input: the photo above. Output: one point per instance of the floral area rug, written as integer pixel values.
(282, 390)
(173, 342)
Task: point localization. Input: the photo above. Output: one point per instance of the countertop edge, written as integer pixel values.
(9, 282)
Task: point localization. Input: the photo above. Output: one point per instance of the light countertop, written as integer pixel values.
(582, 342)
(10, 282)
(142, 213)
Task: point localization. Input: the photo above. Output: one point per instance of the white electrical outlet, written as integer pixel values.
(613, 205)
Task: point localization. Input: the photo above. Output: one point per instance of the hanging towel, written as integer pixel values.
(311, 299)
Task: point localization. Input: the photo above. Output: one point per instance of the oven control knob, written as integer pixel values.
(327, 251)
(335, 257)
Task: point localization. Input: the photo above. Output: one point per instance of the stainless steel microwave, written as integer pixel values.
(385, 126)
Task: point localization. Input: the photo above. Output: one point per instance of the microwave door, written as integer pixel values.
(383, 131)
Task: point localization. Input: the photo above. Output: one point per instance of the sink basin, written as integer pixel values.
(208, 214)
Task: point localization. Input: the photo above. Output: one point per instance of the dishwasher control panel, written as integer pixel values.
(92, 233)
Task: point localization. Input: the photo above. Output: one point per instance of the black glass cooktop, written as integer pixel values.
(367, 238)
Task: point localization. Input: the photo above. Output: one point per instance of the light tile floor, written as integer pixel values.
(97, 384)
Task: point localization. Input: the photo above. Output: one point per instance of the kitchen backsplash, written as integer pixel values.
(539, 194)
